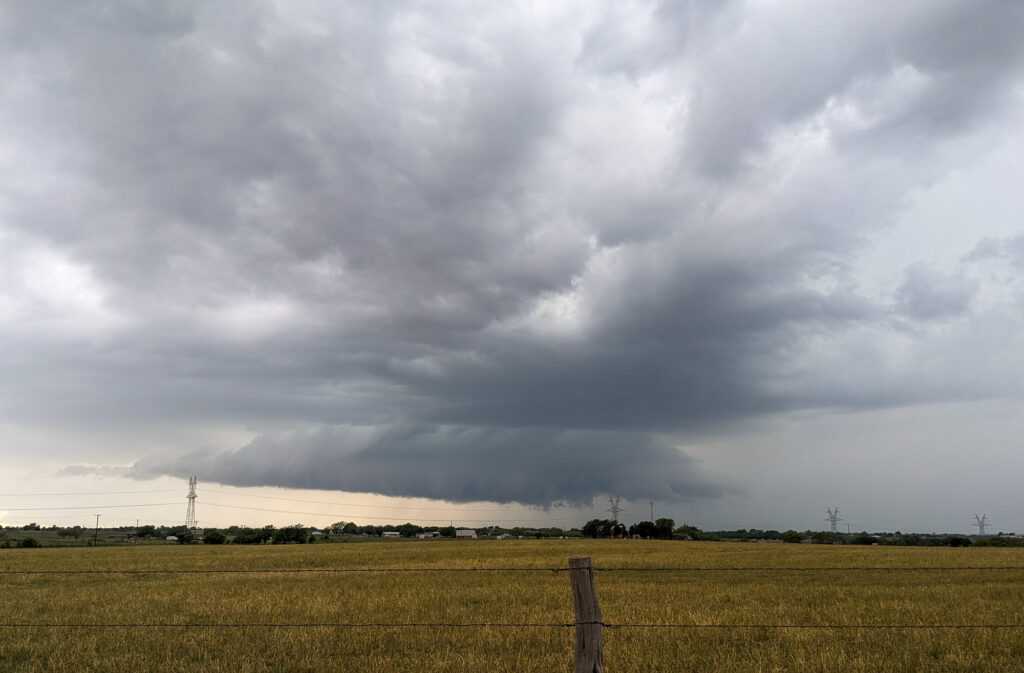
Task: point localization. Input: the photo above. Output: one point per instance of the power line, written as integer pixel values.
(27, 495)
(50, 509)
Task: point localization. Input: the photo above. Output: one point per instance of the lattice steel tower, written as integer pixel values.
(190, 513)
(833, 518)
(615, 509)
(981, 523)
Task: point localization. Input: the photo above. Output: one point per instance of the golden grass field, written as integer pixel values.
(715, 597)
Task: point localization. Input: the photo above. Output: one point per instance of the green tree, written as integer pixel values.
(214, 536)
(792, 537)
(350, 529)
(28, 543)
(603, 528)
(294, 534)
(409, 529)
(647, 530)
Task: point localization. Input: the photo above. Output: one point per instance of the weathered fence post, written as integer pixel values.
(588, 653)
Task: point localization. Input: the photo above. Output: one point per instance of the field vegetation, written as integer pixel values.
(907, 596)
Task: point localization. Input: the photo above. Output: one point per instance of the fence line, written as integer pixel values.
(802, 568)
(588, 625)
(176, 571)
(514, 625)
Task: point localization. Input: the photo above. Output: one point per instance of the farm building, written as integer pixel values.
(465, 533)
(428, 534)
(391, 533)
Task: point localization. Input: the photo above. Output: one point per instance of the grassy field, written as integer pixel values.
(852, 597)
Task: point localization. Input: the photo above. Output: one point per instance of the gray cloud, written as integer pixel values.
(927, 293)
(521, 235)
(455, 463)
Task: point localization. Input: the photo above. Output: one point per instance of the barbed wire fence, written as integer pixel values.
(588, 623)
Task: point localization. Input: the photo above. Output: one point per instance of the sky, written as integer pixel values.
(732, 262)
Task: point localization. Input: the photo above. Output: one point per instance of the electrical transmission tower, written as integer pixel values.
(981, 523)
(190, 513)
(833, 518)
(615, 509)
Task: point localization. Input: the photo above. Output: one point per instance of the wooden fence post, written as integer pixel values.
(588, 652)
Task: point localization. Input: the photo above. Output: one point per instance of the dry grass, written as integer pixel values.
(816, 597)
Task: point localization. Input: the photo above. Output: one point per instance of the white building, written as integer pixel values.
(465, 533)
(392, 533)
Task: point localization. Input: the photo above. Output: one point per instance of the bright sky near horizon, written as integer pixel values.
(497, 262)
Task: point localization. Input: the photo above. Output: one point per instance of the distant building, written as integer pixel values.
(172, 538)
(428, 534)
(391, 533)
(466, 533)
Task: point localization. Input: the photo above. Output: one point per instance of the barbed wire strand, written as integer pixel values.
(257, 571)
(438, 625)
(172, 571)
(802, 568)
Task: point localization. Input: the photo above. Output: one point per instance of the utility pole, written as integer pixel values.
(652, 510)
(833, 518)
(96, 533)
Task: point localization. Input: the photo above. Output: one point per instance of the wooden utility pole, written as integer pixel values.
(589, 650)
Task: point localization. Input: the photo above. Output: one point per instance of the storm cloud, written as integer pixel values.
(457, 464)
(503, 252)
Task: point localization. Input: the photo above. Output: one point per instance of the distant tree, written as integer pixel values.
(663, 528)
(28, 542)
(864, 538)
(958, 541)
(792, 537)
(822, 537)
(336, 528)
(603, 528)
(146, 531)
(252, 535)
(409, 529)
(186, 537)
(687, 532)
(644, 529)
(350, 529)
(214, 536)
(30, 526)
(447, 531)
(294, 534)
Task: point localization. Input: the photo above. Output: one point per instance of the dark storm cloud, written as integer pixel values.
(547, 231)
(536, 467)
